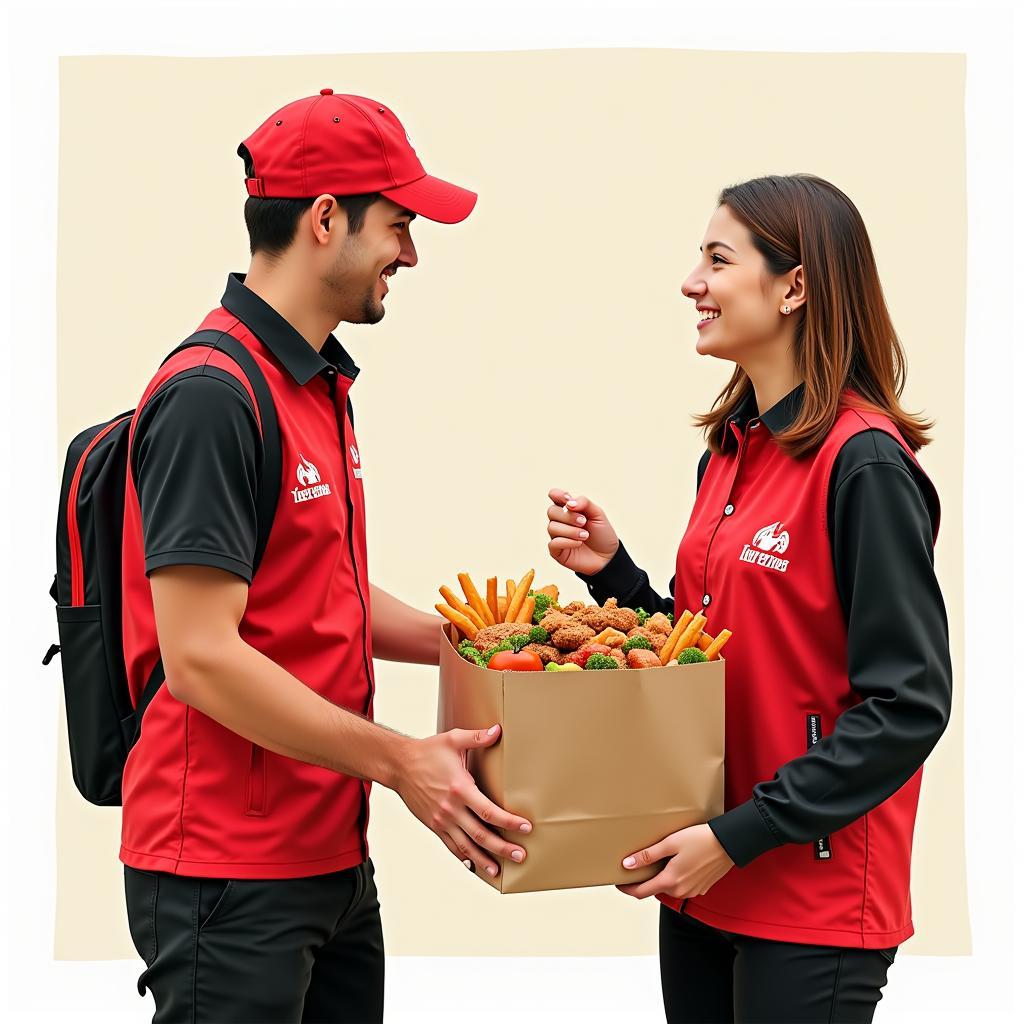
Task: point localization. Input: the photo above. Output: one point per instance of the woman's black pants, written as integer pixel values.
(709, 976)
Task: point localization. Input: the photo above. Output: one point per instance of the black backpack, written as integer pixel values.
(103, 725)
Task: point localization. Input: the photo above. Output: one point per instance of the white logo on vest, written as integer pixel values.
(768, 542)
(309, 477)
(356, 471)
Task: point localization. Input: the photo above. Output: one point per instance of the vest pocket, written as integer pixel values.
(256, 786)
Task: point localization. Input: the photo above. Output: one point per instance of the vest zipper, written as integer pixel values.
(74, 536)
(359, 590)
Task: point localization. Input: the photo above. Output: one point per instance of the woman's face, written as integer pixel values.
(739, 303)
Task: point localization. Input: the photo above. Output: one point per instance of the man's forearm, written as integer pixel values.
(246, 692)
(403, 633)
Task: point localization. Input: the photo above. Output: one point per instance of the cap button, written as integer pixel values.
(326, 92)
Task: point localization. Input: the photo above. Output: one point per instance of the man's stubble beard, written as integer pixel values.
(354, 305)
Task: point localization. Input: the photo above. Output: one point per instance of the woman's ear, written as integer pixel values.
(795, 295)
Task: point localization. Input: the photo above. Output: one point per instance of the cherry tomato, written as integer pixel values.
(510, 661)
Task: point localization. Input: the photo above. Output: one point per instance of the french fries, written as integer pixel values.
(492, 597)
(459, 606)
(473, 598)
(687, 637)
(526, 612)
(519, 597)
(715, 648)
(457, 619)
(610, 637)
(684, 620)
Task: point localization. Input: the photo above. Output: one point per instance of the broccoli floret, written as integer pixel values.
(642, 616)
(635, 643)
(671, 619)
(503, 646)
(691, 656)
(552, 667)
(596, 661)
(539, 635)
(470, 653)
(518, 642)
(542, 605)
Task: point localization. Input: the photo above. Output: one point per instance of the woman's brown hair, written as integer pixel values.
(844, 336)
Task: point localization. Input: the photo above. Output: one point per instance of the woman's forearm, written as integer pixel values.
(624, 580)
(403, 633)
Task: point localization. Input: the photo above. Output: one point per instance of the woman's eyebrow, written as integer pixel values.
(719, 245)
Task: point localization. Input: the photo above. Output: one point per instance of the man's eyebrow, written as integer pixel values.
(408, 213)
(720, 245)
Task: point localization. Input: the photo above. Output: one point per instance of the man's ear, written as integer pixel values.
(323, 214)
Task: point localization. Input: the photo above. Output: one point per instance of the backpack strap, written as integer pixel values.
(268, 488)
(266, 495)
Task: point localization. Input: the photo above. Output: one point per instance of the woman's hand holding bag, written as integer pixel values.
(696, 860)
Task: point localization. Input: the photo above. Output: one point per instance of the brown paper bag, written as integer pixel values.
(603, 763)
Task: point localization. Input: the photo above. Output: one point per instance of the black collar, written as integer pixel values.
(777, 419)
(292, 350)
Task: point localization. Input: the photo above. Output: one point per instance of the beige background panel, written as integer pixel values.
(541, 343)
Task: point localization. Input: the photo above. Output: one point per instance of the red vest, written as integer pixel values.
(767, 566)
(199, 799)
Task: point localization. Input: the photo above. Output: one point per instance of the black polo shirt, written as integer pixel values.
(197, 447)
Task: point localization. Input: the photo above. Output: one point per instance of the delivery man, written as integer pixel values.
(249, 886)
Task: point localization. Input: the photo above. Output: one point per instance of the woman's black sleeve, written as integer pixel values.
(880, 516)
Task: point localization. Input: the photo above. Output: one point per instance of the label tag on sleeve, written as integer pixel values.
(822, 846)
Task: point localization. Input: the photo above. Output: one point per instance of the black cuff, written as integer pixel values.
(620, 578)
(210, 558)
(744, 833)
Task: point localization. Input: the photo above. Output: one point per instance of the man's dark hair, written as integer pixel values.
(272, 222)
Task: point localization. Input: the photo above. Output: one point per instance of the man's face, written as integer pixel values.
(358, 278)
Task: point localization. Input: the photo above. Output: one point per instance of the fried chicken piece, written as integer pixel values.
(545, 652)
(610, 615)
(655, 639)
(572, 636)
(491, 635)
(659, 623)
(623, 619)
(593, 616)
(620, 658)
(573, 607)
(555, 620)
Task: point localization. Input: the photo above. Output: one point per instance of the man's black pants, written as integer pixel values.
(275, 951)
(709, 976)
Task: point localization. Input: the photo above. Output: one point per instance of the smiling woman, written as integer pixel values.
(797, 246)
(839, 679)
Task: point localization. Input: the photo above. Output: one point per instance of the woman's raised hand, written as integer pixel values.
(582, 539)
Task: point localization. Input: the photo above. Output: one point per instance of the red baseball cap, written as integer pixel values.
(344, 145)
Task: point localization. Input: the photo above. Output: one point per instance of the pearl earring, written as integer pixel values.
(786, 310)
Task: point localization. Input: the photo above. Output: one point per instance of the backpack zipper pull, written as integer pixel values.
(48, 657)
